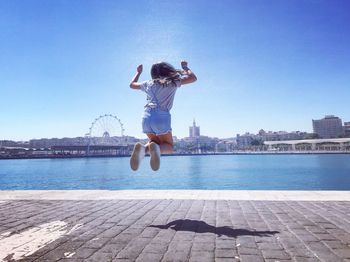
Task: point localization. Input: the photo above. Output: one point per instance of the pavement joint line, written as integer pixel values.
(263, 195)
(236, 229)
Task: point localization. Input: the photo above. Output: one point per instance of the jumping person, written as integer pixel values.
(156, 121)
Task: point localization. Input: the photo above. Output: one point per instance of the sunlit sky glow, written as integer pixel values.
(273, 64)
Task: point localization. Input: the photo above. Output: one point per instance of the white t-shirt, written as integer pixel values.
(159, 96)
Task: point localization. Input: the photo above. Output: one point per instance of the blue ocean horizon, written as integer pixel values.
(208, 172)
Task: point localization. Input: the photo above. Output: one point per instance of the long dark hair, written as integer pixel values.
(165, 74)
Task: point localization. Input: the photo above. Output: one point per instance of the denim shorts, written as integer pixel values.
(156, 122)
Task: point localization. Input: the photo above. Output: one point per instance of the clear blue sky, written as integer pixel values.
(260, 64)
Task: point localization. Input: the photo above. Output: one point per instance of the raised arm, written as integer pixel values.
(190, 76)
(134, 84)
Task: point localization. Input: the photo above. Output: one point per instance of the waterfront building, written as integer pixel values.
(66, 141)
(224, 145)
(347, 128)
(281, 135)
(245, 140)
(194, 130)
(324, 144)
(194, 145)
(207, 143)
(328, 127)
(8, 143)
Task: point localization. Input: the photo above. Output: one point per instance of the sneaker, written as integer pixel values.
(137, 155)
(154, 151)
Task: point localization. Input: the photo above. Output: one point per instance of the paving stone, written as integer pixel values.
(275, 254)
(224, 259)
(156, 248)
(274, 260)
(201, 256)
(83, 253)
(183, 246)
(248, 242)
(225, 253)
(113, 249)
(227, 243)
(96, 242)
(185, 230)
(342, 252)
(205, 238)
(149, 257)
(112, 232)
(309, 237)
(251, 258)
(306, 259)
(269, 246)
(203, 246)
(175, 256)
(183, 236)
(133, 249)
(322, 252)
(335, 244)
(248, 251)
(69, 260)
(345, 238)
(122, 260)
(149, 232)
(325, 237)
(99, 256)
(301, 251)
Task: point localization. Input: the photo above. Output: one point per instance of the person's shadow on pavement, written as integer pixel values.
(202, 227)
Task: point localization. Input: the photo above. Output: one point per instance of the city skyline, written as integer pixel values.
(194, 131)
(272, 65)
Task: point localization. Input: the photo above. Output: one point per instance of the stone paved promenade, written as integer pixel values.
(36, 228)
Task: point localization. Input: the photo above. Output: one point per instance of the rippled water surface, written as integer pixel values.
(264, 172)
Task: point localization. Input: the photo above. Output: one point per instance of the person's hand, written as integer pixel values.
(184, 64)
(139, 69)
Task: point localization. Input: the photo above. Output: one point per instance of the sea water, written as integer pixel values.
(248, 172)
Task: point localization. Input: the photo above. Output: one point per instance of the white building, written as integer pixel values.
(194, 130)
(328, 127)
(330, 144)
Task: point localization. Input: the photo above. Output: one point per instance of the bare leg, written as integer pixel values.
(154, 152)
(165, 142)
(152, 138)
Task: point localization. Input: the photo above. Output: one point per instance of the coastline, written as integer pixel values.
(182, 154)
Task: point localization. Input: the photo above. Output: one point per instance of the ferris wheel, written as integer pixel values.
(106, 130)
